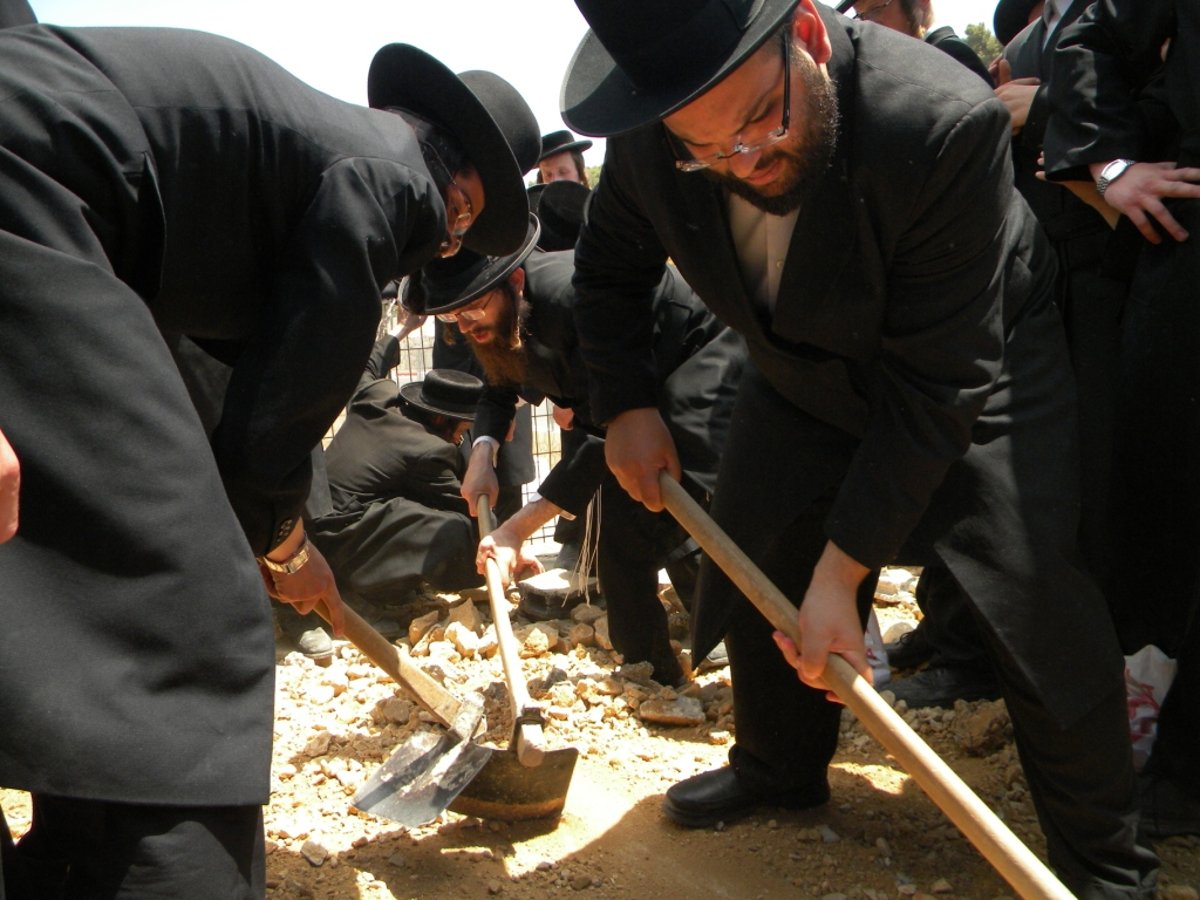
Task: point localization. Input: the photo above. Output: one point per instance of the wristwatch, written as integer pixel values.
(1111, 173)
(292, 564)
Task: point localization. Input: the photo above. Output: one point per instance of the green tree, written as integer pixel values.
(983, 42)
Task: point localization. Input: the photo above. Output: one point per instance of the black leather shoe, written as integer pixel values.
(718, 796)
(911, 650)
(942, 685)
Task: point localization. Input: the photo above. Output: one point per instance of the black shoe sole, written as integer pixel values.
(707, 818)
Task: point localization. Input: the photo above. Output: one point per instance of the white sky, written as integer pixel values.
(528, 42)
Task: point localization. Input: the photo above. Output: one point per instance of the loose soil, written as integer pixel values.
(880, 837)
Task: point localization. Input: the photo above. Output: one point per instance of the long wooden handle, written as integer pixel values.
(460, 717)
(1014, 861)
(527, 715)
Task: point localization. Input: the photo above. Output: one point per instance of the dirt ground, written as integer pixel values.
(880, 837)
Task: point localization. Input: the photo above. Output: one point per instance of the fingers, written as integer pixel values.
(333, 612)
(485, 551)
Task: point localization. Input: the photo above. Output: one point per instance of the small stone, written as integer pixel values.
(581, 882)
(581, 635)
(536, 640)
(318, 744)
(586, 613)
(828, 835)
(464, 639)
(397, 860)
(420, 625)
(600, 627)
(321, 695)
(494, 887)
(1178, 892)
(314, 853)
(941, 886)
(679, 711)
(639, 672)
(397, 710)
(466, 615)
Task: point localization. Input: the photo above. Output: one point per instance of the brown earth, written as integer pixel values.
(880, 837)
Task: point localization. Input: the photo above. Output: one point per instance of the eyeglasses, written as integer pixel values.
(474, 314)
(462, 221)
(868, 14)
(465, 214)
(697, 164)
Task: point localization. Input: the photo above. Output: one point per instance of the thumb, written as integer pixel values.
(1003, 72)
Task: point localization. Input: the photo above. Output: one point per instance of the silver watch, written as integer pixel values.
(1111, 173)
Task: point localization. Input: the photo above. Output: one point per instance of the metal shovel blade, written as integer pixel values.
(505, 789)
(422, 778)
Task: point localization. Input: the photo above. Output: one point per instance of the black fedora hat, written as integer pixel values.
(1011, 18)
(448, 392)
(561, 142)
(561, 208)
(844, 6)
(494, 124)
(443, 285)
(644, 59)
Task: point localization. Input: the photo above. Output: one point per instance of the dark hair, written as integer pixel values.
(443, 154)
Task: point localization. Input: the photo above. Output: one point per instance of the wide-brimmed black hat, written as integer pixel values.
(494, 124)
(561, 142)
(644, 59)
(445, 391)
(1010, 18)
(444, 285)
(561, 208)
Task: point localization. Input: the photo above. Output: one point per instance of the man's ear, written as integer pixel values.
(517, 280)
(808, 32)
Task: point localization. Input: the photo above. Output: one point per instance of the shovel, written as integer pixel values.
(1014, 861)
(527, 781)
(422, 777)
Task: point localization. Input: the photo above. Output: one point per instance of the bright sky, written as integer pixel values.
(528, 42)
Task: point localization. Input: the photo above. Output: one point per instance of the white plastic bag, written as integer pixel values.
(1148, 675)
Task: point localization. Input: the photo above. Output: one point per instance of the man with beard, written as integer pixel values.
(516, 311)
(908, 397)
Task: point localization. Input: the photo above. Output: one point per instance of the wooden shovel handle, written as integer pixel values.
(1014, 861)
(527, 724)
(440, 702)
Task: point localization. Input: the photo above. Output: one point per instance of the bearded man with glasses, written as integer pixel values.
(908, 397)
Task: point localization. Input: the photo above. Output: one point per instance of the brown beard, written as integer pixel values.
(503, 358)
(807, 155)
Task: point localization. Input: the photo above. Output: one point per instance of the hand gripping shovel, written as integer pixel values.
(1012, 859)
(422, 777)
(526, 781)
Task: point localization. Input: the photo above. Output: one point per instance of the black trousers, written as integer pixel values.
(88, 849)
(1156, 489)
(634, 544)
(1079, 767)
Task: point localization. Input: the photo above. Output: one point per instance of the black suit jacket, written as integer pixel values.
(269, 218)
(898, 293)
(157, 181)
(957, 49)
(379, 453)
(1102, 66)
(915, 322)
(697, 364)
